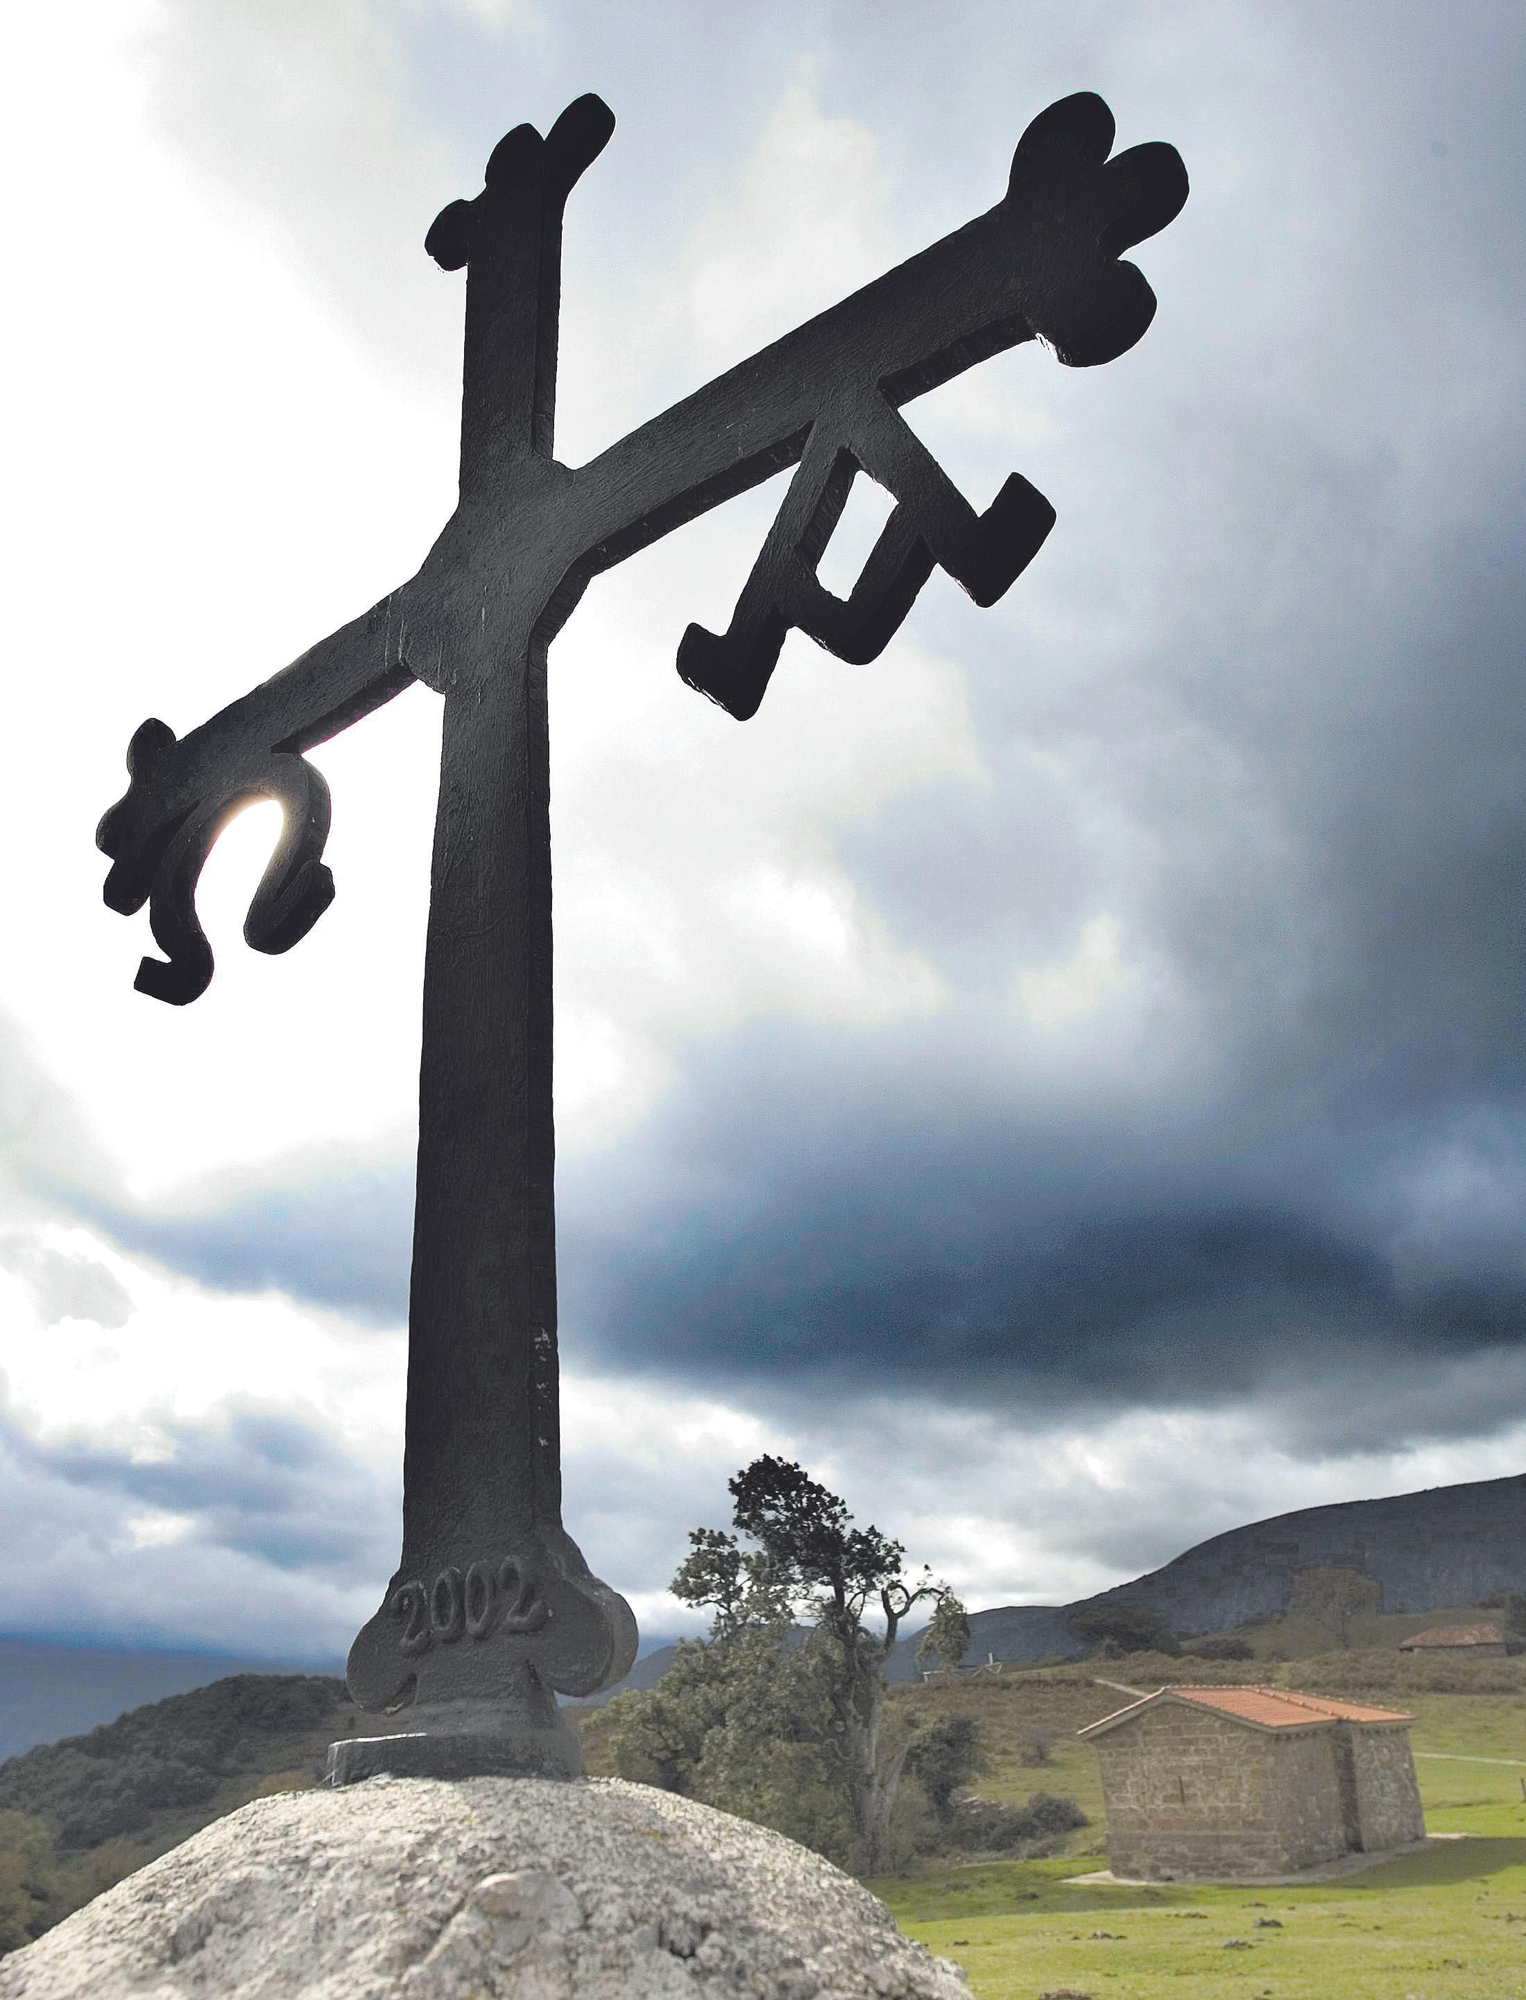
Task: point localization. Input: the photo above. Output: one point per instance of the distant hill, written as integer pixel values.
(646, 1673)
(1443, 1546)
(651, 1667)
(1008, 1632)
(176, 1754)
(49, 1690)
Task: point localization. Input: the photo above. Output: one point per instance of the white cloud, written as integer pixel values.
(65, 1277)
(154, 1529)
(1088, 979)
(801, 223)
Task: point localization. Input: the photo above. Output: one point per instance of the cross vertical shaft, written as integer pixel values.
(492, 1607)
(489, 1583)
(482, 1309)
(487, 1577)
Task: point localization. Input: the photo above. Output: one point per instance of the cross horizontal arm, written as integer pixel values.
(184, 792)
(1043, 263)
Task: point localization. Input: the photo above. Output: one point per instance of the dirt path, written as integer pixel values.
(1453, 1757)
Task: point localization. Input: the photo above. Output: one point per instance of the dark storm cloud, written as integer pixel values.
(248, 1529)
(1261, 702)
(879, 1211)
(259, 1482)
(339, 1239)
(912, 1228)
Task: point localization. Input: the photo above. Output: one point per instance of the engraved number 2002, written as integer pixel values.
(491, 1597)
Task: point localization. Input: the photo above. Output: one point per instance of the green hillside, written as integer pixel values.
(78, 1815)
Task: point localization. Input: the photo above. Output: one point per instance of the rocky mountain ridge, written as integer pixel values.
(1443, 1545)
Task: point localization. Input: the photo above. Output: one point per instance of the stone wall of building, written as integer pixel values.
(1190, 1793)
(1388, 1799)
(1187, 1794)
(1307, 1811)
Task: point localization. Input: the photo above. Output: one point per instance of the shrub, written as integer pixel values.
(1035, 1740)
(1217, 1646)
(1049, 1813)
(979, 1826)
(1123, 1628)
(944, 1757)
(25, 1879)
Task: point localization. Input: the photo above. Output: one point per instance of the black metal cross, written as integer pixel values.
(492, 1605)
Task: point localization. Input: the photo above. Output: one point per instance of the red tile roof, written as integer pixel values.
(1263, 1707)
(1455, 1635)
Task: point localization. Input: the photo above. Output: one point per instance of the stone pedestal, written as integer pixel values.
(487, 1889)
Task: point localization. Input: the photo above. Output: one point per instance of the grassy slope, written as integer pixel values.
(1448, 1922)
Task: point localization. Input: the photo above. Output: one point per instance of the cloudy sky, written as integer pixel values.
(1065, 1083)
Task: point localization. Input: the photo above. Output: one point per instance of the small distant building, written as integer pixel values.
(1478, 1642)
(1251, 1781)
(987, 1669)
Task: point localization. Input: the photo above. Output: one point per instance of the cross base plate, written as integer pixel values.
(462, 1740)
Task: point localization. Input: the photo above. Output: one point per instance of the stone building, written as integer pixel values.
(1476, 1642)
(1248, 1781)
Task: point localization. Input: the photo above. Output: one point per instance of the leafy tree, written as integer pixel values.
(1128, 1628)
(778, 1728)
(944, 1757)
(947, 1638)
(1332, 1598)
(738, 1722)
(833, 1572)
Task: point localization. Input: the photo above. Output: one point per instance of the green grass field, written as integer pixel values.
(1448, 1924)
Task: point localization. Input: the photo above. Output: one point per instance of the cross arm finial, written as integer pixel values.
(1044, 263)
(572, 145)
(185, 790)
(1090, 307)
(509, 239)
